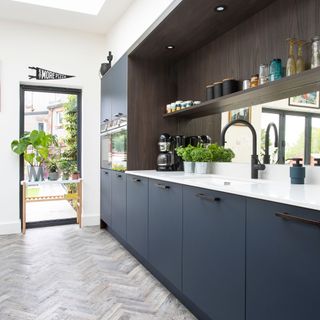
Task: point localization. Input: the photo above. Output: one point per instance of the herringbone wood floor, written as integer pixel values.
(64, 273)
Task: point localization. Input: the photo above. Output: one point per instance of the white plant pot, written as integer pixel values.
(188, 166)
(201, 167)
(210, 167)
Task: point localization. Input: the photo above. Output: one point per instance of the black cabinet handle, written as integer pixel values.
(119, 175)
(207, 198)
(136, 180)
(162, 186)
(118, 115)
(106, 172)
(288, 217)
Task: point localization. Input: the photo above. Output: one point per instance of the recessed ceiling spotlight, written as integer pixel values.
(220, 8)
(170, 47)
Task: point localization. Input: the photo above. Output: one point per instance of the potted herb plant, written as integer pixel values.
(52, 166)
(185, 154)
(219, 154)
(201, 156)
(34, 146)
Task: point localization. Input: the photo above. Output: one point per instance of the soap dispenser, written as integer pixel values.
(297, 171)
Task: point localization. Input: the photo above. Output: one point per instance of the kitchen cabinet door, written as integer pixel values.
(137, 214)
(118, 204)
(165, 229)
(105, 197)
(107, 88)
(214, 252)
(283, 262)
(120, 88)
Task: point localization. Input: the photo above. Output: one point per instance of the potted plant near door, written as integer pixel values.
(65, 166)
(34, 146)
(52, 166)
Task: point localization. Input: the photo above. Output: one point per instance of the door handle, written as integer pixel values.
(136, 180)
(288, 217)
(162, 186)
(208, 198)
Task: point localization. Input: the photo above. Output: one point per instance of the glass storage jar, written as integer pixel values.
(315, 59)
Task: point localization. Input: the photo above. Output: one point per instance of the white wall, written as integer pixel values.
(134, 23)
(75, 53)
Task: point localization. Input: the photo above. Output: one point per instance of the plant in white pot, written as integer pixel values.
(219, 154)
(34, 146)
(201, 156)
(185, 154)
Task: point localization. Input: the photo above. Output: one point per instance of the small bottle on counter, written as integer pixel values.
(297, 171)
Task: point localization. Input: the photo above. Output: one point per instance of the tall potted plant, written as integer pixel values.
(34, 146)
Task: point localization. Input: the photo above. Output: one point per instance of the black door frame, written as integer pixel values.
(49, 89)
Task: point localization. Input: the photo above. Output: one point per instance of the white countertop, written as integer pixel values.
(306, 196)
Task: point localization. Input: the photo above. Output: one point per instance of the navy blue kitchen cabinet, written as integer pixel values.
(165, 230)
(118, 203)
(283, 262)
(106, 95)
(137, 214)
(114, 91)
(214, 252)
(120, 88)
(105, 198)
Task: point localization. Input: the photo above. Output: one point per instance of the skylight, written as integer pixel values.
(92, 7)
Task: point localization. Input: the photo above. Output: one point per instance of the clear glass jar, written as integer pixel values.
(315, 59)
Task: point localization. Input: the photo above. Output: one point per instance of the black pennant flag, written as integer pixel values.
(43, 74)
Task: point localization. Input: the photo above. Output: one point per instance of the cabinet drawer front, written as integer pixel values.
(283, 262)
(137, 214)
(165, 229)
(214, 252)
(118, 204)
(105, 197)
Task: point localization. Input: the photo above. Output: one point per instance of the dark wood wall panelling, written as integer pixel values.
(158, 76)
(150, 86)
(239, 52)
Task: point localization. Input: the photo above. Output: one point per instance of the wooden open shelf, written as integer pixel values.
(305, 82)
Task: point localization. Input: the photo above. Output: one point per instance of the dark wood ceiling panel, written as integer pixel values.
(193, 24)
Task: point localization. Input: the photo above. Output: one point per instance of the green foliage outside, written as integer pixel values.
(69, 157)
(119, 141)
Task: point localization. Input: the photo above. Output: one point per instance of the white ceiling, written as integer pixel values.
(22, 12)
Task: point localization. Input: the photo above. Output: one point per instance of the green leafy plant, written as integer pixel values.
(34, 146)
(201, 154)
(66, 166)
(185, 153)
(220, 154)
(52, 165)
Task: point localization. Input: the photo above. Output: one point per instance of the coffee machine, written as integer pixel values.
(165, 158)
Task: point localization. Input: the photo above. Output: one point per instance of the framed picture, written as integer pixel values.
(307, 100)
(240, 114)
